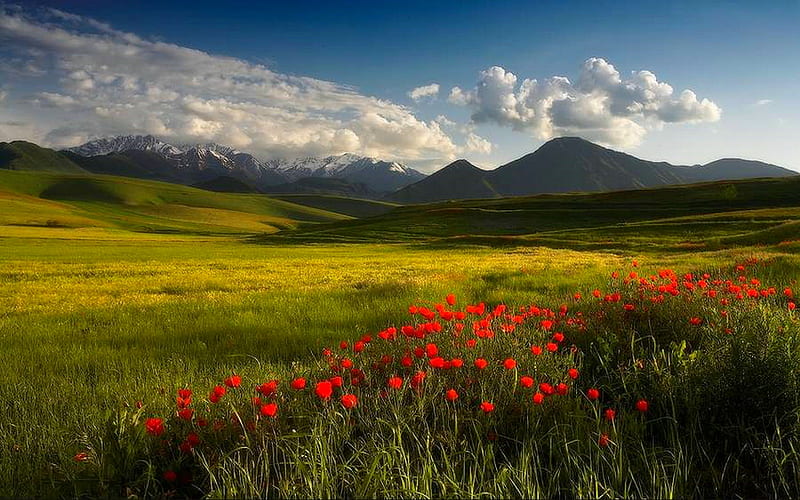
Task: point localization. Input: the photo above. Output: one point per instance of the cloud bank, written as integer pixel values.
(72, 78)
(601, 105)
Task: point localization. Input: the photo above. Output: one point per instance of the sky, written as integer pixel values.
(423, 83)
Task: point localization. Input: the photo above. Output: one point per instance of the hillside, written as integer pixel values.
(26, 156)
(571, 164)
(696, 214)
(38, 200)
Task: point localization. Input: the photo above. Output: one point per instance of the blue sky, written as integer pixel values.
(741, 60)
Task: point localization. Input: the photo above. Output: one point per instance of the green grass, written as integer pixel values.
(114, 291)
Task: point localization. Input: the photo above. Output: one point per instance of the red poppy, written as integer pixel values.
(536, 350)
(562, 389)
(451, 299)
(418, 379)
(629, 307)
(186, 447)
(81, 457)
(695, 321)
(343, 344)
(219, 390)
(336, 381)
(186, 414)
(642, 405)
(597, 293)
(269, 410)
(788, 292)
(546, 388)
(609, 414)
(170, 476)
(349, 401)
(481, 363)
(592, 394)
(546, 324)
(346, 363)
(193, 439)
(552, 346)
(154, 426)
(395, 382)
(558, 337)
(526, 381)
(298, 384)
(184, 393)
(487, 407)
(573, 373)
(233, 381)
(324, 389)
(451, 395)
(603, 440)
(509, 364)
(437, 362)
(538, 398)
(456, 362)
(792, 306)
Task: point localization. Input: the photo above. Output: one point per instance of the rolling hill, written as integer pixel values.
(715, 213)
(26, 156)
(42, 200)
(571, 164)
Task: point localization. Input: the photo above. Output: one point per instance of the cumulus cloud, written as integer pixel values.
(93, 80)
(601, 105)
(419, 93)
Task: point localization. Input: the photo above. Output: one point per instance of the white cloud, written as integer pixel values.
(477, 144)
(763, 102)
(419, 93)
(601, 105)
(93, 80)
(3, 95)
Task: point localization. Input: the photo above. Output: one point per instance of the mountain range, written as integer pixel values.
(567, 164)
(571, 164)
(194, 164)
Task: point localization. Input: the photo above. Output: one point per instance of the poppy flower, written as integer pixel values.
(603, 440)
(395, 382)
(407, 361)
(546, 388)
(324, 389)
(431, 350)
(609, 414)
(437, 362)
(336, 381)
(343, 345)
(298, 384)
(193, 439)
(597, 293)
(487, 407)
(536, 350)
(481, 363)
(695, 321)
(451, 395)
(233, 381)
(788, 292)
(573, 373)
(546, 324)
(359, 346)
(418, 379)
(186, 414)
(792, 306)
(451, 299)
(538, 398)
(154, 426)
(81, 457)
(509, 364)
(471, 343)
(629, 307)
(552, 346)
(184, 393)
(592, 394)
(346, 363)
(562, 389)
(558, 337)
(642, 405)
(456, 362)
(526, 381)
(349, 401)
(269, 410)
(170, 476)
(186, 447)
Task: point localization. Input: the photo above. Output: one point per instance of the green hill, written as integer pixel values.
(353, 207)
(40, 200)
(26, 156)
(717, 213)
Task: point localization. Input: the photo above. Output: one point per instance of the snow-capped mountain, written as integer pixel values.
(377, 174)
(193, 163)
(121, 143)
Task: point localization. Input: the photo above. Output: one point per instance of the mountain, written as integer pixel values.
(571, 164)
(226, 184)
(323, 185)
(132, 163)
(21, 155)
(460, 180)
(122, 143)
(196, 163)
(377, 175)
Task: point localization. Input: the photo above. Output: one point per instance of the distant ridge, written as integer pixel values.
(572, 164)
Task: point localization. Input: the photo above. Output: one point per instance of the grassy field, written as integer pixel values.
(143, 288)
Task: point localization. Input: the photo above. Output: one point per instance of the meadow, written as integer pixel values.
(105, 317)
